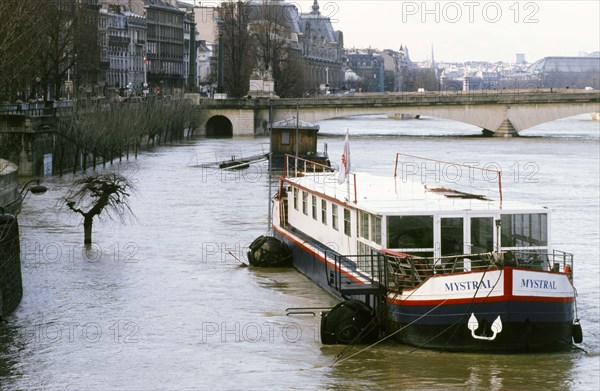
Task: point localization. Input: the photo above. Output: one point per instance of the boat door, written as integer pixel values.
(481, 233)
(452, 236)
(465, 235)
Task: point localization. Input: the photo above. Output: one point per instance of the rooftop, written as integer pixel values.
(388, 195)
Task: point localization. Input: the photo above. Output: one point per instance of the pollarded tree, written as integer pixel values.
(108, 193)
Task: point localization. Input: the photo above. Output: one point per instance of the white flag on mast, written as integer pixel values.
(345, 166)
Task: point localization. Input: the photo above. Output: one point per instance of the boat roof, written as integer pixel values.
(388, 195)
(292, 123)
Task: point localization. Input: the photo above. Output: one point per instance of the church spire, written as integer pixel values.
(315, 8)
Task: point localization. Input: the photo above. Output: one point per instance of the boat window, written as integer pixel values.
(334, 216)
(305, 203)
(296, 198)
(363, 225)
(285, 137)
(347, 225)
(369, 226)
(376, 229)
(482, 235)
(524, 230)
(324, 211)
(410, 231)
(452, 236)
(314, 207)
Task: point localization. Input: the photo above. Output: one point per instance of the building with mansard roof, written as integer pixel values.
(162, 53)
(122, 37)
(322, 48)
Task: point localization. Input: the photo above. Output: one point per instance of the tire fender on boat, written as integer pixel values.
(577, 332)
(351, 321)
(268, 251)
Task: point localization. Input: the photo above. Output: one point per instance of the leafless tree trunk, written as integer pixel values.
(238, 59)
(20, 44)
(108, 193)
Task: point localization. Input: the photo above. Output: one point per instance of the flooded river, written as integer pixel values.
(162, 303)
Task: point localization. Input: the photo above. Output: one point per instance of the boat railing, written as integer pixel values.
(406, 271)
(357, 274)
(555, 261)
(296, 166)
(562, 262)
(466, 180)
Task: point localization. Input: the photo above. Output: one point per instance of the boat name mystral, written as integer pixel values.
(468, 285)
(538, 284)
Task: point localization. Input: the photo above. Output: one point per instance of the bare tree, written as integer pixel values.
(258, 35)
(20, 45)
(70, 42)
(237, 47)
(92, 195)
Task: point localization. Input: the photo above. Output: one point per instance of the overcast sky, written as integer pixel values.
(466, 30)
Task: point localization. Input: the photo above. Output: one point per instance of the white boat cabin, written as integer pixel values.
(370, 212)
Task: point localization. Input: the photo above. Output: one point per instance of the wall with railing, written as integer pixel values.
(9, 182)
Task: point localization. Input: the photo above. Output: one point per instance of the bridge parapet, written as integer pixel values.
(449, 98)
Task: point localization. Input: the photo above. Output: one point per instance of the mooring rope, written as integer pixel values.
(339, 359)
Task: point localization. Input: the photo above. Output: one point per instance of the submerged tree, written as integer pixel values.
(99, 193)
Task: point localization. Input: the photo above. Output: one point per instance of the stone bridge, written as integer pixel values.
(504, 113)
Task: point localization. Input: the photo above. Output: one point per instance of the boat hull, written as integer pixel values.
(529, 324)
(526, 327)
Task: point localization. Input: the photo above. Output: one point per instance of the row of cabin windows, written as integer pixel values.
(324, 203)
(416, 232)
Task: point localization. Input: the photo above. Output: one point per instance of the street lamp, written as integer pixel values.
(15, 205)
(37, 189)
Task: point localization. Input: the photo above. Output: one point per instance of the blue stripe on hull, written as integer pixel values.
(311, 267)
(513, 311)
(526, 326)
(514, 338)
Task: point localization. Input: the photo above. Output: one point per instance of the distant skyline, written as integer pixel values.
(466, 30)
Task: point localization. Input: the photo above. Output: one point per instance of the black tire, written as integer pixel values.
(351, 321)
(258, 242)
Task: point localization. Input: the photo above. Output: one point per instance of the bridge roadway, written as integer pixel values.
(505, 112)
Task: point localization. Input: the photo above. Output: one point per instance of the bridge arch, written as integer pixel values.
(219, 126)
(500, 119)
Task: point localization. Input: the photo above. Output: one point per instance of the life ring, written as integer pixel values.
(568, 271)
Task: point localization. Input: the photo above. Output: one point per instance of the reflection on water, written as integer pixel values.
(162, 304)
(392, 366)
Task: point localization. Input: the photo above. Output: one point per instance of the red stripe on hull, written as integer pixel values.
(491, 299)
(317, 255)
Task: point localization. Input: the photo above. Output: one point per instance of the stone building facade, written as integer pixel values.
(322, 48)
